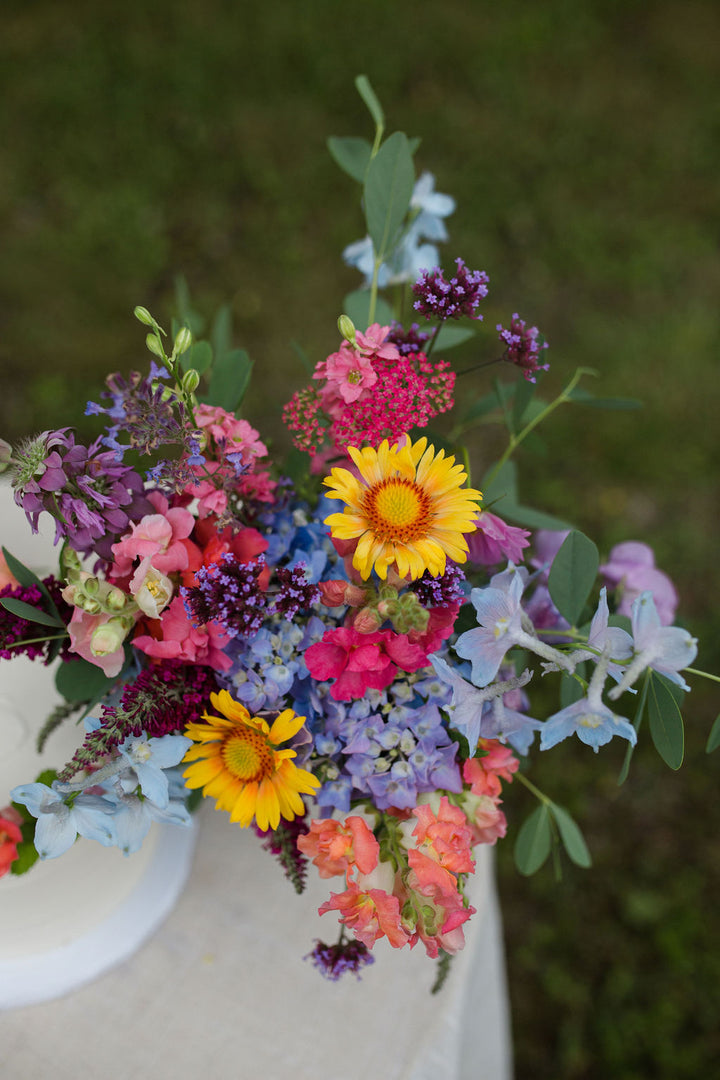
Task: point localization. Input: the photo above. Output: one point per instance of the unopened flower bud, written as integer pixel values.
(108, 637)
(154, 345)
(388, 608)
(143, 315)
(116, 599)
(332, 593)
(190, 381)
(183, 341)
(347, 328)
(91, 586)
(86, 604)
(367, 621)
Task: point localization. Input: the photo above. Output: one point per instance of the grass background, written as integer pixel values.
(580, 140)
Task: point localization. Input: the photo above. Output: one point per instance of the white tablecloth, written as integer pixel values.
(222, 990)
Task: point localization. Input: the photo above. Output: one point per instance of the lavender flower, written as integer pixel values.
(522, 347)
(440, 591)
(228, 593)
(90, 494)
(295, 592)
(438, 298)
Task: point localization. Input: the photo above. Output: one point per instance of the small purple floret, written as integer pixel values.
(228, 593)
(522, 347)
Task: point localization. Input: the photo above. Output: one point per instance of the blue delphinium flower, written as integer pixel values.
(501, 620)
(149, 759)
(58, 824)
(665, 649)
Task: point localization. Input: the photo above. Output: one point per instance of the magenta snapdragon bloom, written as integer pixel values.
(494, 541)
(631, 570)
(92, 496)
(360, 662)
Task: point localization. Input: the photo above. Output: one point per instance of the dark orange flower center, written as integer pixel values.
(397, 509)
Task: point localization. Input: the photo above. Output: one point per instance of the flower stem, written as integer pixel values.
(704, 674)
(515, 440)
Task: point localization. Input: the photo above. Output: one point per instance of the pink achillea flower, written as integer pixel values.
(495, 542)
(10, 837)
(359, 662)
(339, 847)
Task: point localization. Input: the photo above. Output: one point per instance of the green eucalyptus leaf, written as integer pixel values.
(571, 836)
(32, 614)
(666, 723)
(366, 92)
(502, 486)
(573, 574)
(229, 379)
(714, 736)
(532, 519)
(388, 189)
(23, 574)
(357, 305)
(79, 680)
(584, 397)
(448, 337)
(534, 841)
(352, 154)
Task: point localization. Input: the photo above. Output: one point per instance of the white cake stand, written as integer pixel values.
(68, 919)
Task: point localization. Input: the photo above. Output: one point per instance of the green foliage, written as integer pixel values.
(79, 681)
(666, 724)
(229, 379)
(572, 575)
(714, 736)
(387, 191)
(357, 305)
(351, 154)
(534, 841)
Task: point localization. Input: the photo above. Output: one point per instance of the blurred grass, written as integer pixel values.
(581, 142)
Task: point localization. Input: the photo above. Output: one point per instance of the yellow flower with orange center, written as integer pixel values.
(237, 762)
(408, 507)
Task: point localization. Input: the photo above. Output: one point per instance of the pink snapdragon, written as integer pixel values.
(178, 639)
(370, 913)
(340, 847)
(99, 639)
(161, 537)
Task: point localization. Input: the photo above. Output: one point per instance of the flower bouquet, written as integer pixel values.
(339, 651)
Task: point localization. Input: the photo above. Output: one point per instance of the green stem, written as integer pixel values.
(515, 440)
(35, 640)
(374, 289)
(535, 790)
(704, 674)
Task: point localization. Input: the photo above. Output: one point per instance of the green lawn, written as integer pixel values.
(581, 143)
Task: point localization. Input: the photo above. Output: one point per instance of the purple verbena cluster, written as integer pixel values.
(295, 593)
(228, 593)
(440, 591)
(438, 298)
(411, 341)
(332, 961)
(522, 347)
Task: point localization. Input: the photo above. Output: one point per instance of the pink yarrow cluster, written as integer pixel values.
(368, 391)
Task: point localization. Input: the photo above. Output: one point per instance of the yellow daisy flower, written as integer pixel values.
(236, 762)
(407, 508)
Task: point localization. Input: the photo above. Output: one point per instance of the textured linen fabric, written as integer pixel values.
(222, 989)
